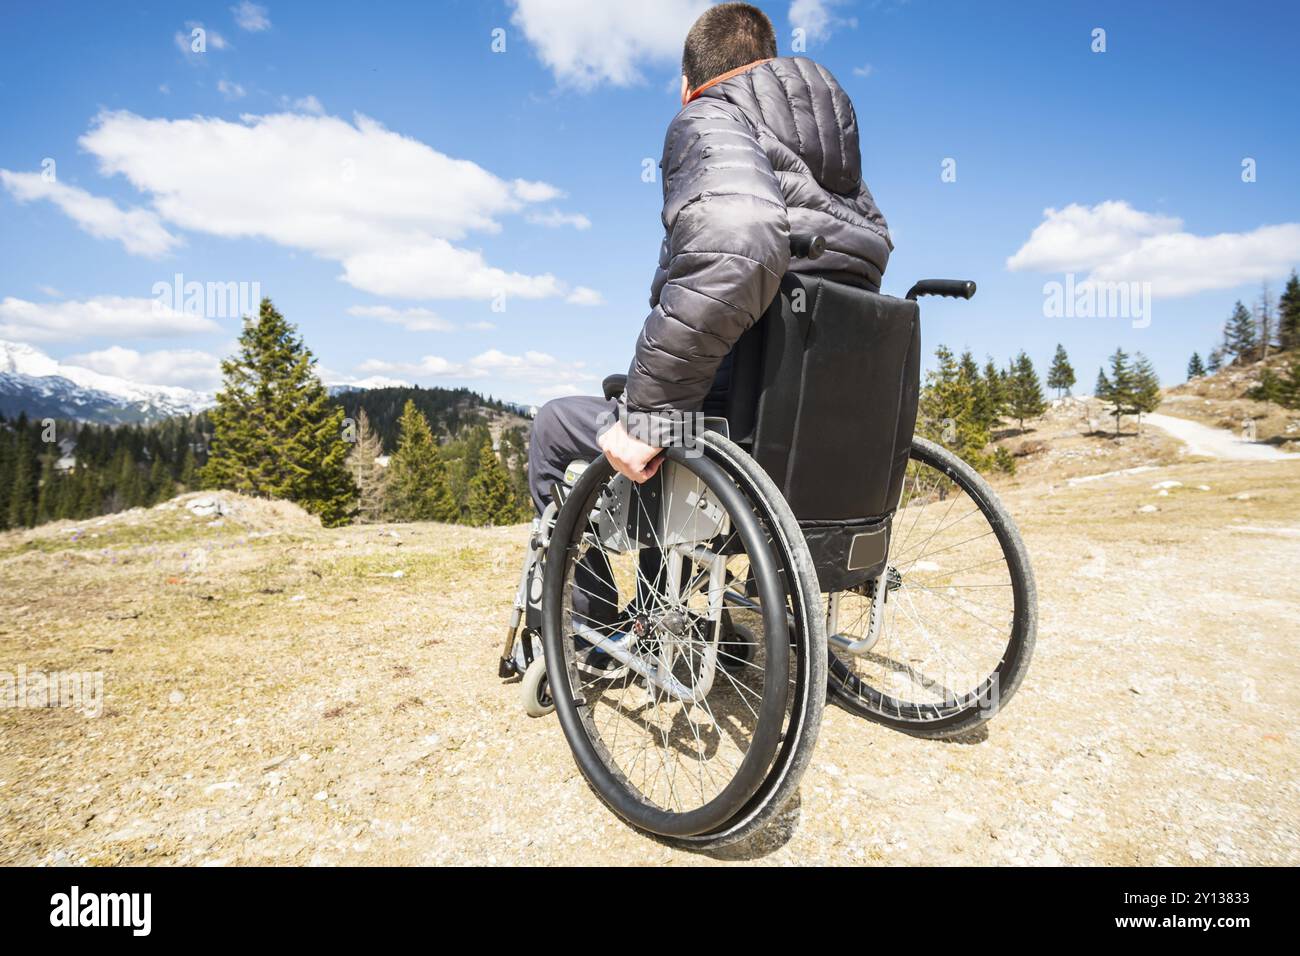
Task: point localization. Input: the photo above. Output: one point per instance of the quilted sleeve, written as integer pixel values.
(728, 246)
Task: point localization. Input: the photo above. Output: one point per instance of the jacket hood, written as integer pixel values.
(800, 103)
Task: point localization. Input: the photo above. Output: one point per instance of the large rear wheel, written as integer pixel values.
(940, 642)
(646, 588)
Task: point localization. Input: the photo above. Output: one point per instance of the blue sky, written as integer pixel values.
(427, 209)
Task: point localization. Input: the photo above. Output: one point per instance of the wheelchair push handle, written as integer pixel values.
(613, 386)
(804, 246)
(950, 288)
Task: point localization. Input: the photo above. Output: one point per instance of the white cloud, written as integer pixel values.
(302, 104)
(584, 296)
(413, 320)
(1113, 242)
(816, 19)
(251, 17)
(102, 315)
(231, 91)
(586, 44)
(534, 191)
(435, 269)
(431, 366)
(554, 219)
(1078, 237)
(537, 369)
(481, 326)
(383, 205)
(188, 368)
(139, 230)
(865, 70)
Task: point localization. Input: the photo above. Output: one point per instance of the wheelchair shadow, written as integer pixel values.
(977, 735)
(766, 841)
(782, 828)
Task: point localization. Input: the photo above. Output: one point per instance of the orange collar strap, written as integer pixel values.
(692, 94)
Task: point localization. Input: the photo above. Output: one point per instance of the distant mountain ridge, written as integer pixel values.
(33, 383)
(43, 387)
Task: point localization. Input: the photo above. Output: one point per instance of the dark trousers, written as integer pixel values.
(565, 431)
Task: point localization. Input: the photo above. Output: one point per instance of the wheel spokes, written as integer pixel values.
(946, 627)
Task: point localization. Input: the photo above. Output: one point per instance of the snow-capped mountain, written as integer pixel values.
(365, 384)
(43, 387)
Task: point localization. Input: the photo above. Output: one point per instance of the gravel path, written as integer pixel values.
(1216, 442)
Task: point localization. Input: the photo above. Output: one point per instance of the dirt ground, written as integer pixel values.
(276, 693)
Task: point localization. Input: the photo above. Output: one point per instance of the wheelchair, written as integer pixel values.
(688, 631)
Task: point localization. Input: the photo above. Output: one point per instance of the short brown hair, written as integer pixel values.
(725, 37)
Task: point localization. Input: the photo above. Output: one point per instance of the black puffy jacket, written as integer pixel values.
(751, 159)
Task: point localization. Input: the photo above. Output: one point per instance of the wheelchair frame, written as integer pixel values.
(520, 654)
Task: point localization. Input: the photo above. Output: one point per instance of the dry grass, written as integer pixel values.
(1075, 438)
(278, 693)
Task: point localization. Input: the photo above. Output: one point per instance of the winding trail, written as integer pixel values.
(1215, 442)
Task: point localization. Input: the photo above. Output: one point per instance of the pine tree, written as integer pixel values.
(982, 398)
(967, 367)
(1026, 395)
(466, 455)
(189, 469)
(995, 387)
(1215, 361)
(368, 475)
(1264, 314)
(22, 498)
(277, 434)
(1101, 390)
(514, 455)
(90, 493)
(46, 491)
(1288, 314)
(1195, 367)
(122, 474)
(1239, 335)
(161, 486)
(1289, 389)
(8, 442)
(947, 412)
(491, 500)
(1061, 375)
(67, 497)
(1119, 390)
(1146, 387)
(417, 478)
(1271, 388)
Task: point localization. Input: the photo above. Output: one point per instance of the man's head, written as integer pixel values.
(725, 37)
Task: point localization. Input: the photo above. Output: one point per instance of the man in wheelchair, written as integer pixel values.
(763, 147)
(690, 599)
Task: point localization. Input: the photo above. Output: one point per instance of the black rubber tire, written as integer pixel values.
(846, 689)
(797, 625)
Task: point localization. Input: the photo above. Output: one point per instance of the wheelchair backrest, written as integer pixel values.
(824, 395)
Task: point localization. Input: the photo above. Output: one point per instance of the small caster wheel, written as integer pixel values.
(535, 691)
(736, 646)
